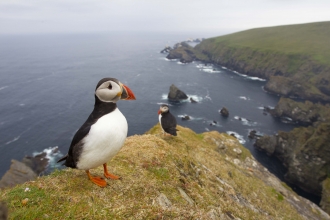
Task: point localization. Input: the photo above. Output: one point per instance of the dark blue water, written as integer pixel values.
(47, 91)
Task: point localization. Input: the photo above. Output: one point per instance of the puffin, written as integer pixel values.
(167, 120)
(104, 132)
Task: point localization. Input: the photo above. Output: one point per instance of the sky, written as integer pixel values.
(216, 16)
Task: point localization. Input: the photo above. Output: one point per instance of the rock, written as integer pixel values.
(176, 94)
(183, 52)
(167, 49)
(213, 123)
(304, 113)
(254, 135)
(192, 100)
(305, 153)
(289, 87)
(232, 134)
(185, 118)
(3, 211)
(163, 201)
(18, 173)
(224, 112)
(266, 144)
(186, 197)
(238, 151)
(37, 163)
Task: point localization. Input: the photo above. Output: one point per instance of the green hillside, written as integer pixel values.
(311, 39)
(295, 58)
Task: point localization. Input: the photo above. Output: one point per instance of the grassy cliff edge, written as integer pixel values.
(205, 176)
(295, 58)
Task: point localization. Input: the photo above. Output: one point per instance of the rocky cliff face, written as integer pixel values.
(288, 75)
(304, 113)
(191, 176)
(305, 152)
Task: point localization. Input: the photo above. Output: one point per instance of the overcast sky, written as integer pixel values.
(216, 16)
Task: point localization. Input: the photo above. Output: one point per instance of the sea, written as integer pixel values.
(48, 81)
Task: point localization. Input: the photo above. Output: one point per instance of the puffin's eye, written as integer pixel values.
(110, 86)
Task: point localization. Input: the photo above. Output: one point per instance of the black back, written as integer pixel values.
(168, 123)
(100, 109)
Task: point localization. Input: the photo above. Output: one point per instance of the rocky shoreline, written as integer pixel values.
(26, 170)
(304, 151)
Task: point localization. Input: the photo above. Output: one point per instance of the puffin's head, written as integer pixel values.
(111, 90)
(163, 109)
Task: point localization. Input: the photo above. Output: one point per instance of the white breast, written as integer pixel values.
(160, 121)
(103, 141)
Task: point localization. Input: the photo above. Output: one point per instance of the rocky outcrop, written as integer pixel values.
(18, 173)
(295, 88)
(254, 135)
(176, 94)
(304, 113)
(192, 100)
(224, 112)
(28, 169)
(182, 52)
(305, 152)
(185, 118)
(167, 49)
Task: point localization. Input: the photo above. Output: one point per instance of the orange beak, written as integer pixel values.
(159, 112)
(127, 93)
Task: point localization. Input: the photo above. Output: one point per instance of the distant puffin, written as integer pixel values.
(103, 134)
(167, 120)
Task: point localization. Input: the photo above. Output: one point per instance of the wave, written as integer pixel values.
(3, 87)
(15, 139)
(191, 118)
(237, 135)
(245, 121)
(170, 60)
(244, 98)
(249, 77)
(194, 97)
(207, 69)
(214, 123)
(52, 154)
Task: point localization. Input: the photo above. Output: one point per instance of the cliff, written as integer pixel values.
(294, 58)
(304, 150)
(199, 176)
(303, 113)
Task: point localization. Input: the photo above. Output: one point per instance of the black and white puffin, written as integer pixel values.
(167, 120)
(103, 134)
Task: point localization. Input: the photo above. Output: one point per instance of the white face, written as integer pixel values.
(164, 108)
(109, 91)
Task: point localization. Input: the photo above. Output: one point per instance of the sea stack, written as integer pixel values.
(175, 94)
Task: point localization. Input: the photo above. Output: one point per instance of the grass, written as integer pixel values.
(300, 53)
(151, 165)
(310, 39)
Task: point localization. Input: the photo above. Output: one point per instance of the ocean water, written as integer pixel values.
(48, 81)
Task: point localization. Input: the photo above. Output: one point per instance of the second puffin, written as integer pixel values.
(167, 120)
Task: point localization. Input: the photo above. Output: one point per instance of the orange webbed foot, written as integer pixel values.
(97, 180)
(109, 175)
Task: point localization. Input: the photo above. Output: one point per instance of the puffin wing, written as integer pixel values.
(71, 158)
